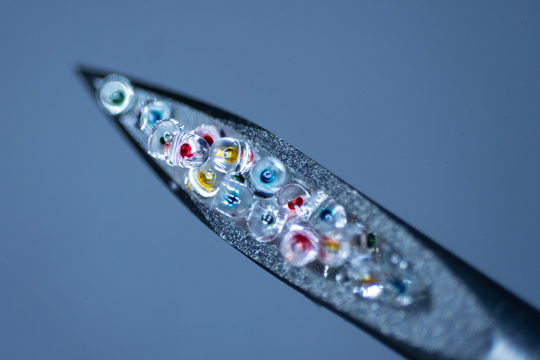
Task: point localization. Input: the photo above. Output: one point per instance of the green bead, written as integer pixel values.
(371, 240)
(117, 97)
(239, 178)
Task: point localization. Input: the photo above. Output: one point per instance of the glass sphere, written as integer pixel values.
(300, 245)
(186, 150)
(268, 175)
(116, 94)
(266, 220)
(153, 112)
(233, 199)
(366, 269)
(403, 286)
(231, 156)
(161, 133)
(335, 248)
(208, 132)
(329, 216)
(297, 200)
(204, 180)
(292, 196)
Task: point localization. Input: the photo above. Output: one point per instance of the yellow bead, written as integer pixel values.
(369, 279)
(332, 246)
(230, 154)
(207, 177)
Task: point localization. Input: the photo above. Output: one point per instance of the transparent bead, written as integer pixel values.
(115, 94)
(266, 220)
(313, 203)
(231, 156)
(299, 245)
(293, 197)
(268, 175)
(208, 132)
(153, 112)
(299, 202)
(403, 291)
(330, 215)
(233, 199)
(335, 248)
(365, 269)
(186, 150)
(162, 131)
(204, 180)
(404, 286)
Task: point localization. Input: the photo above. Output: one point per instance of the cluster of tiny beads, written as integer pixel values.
(239, 180)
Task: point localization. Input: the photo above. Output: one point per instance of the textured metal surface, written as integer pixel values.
(467, 317)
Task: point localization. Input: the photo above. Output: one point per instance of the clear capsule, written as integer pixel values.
(116, 94)
(204, 180)
(153, 112)
(268, 175)
(231, 156)
(266, 220)
(300, 245)
(186, 150)
(329, 216)
(233, 199)
(335, 248)
(161, 133)
(208, 132)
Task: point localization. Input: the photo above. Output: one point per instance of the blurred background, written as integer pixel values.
(432, 109)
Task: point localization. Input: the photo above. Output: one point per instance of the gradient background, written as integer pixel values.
(433, 110)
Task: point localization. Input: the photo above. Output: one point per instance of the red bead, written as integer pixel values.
(298, 202)
(185, 151)
(301, 244)
(208, 139)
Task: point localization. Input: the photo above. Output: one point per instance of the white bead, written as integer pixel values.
(115, 94)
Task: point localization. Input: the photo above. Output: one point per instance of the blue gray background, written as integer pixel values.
(430, 108)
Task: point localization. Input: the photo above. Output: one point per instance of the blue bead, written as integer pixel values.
(266, 220)
(399, 286)
(329, 216)
(326, 215)
(153, 112)
(231, 199)
(155, 115)
(267, 176)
